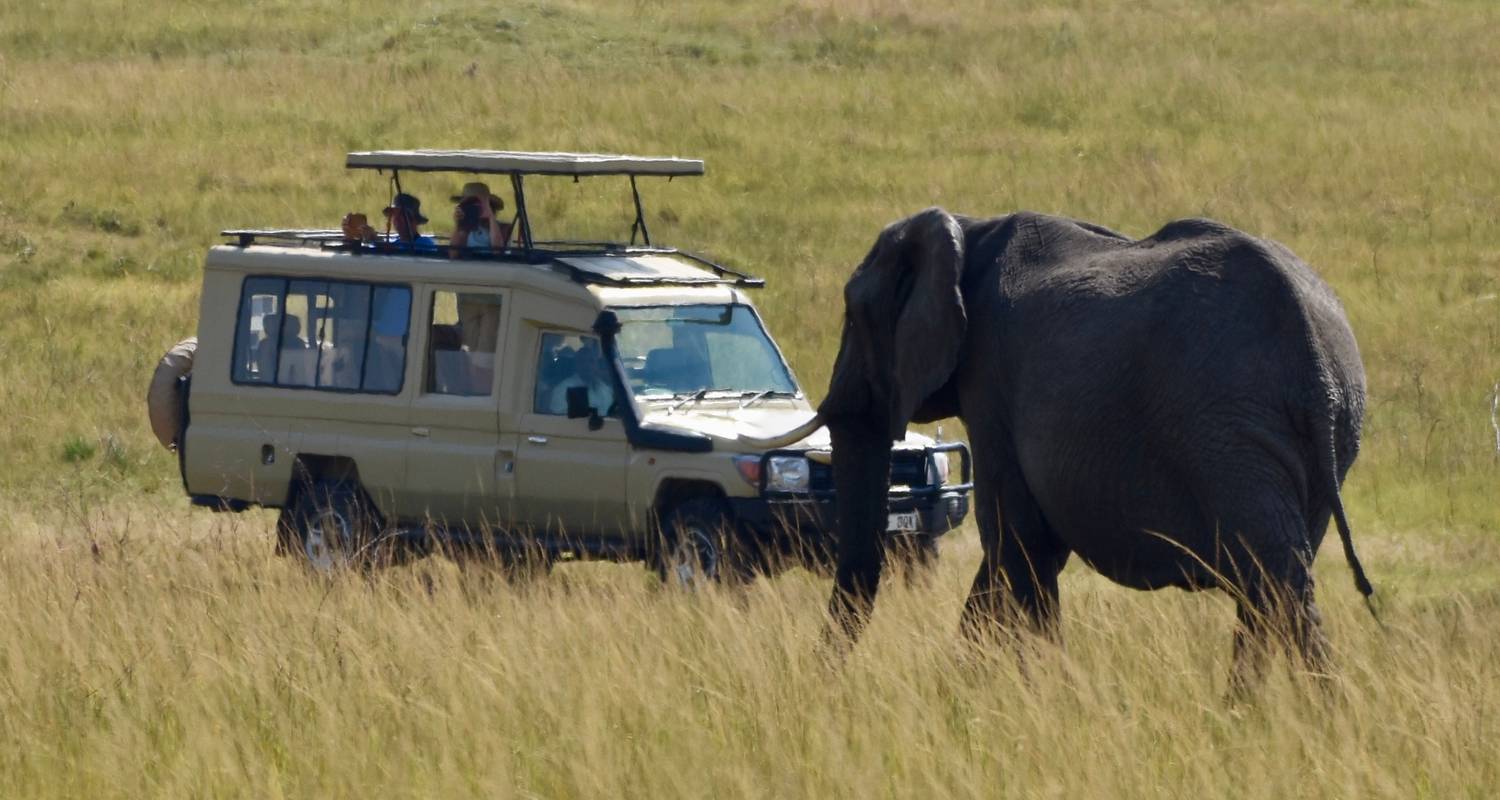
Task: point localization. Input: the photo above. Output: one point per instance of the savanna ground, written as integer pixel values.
(151, 650)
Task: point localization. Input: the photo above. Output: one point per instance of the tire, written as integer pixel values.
(334, 527)
(164, 396)
(698, 546)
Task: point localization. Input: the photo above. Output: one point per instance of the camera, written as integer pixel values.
(469, 206)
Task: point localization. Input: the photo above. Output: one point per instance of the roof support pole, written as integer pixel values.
(640, 216)
(516, 185)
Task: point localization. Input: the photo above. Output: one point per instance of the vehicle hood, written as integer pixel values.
(725, 424)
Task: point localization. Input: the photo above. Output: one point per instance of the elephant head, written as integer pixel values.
(904, 325)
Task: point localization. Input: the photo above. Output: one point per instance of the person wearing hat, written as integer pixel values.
(404, 214)
(474, 224)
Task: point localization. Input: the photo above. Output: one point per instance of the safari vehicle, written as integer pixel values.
(554, 399)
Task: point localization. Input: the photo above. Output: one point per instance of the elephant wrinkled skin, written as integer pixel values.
(1178, 410)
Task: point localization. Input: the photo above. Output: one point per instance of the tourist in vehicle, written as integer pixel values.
(475, 226)
(403, 215)
(357, 230)
(589, 370)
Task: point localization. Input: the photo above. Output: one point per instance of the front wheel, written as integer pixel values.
(699, 545)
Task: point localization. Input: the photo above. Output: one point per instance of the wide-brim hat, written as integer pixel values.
(410, 204)
(479, 189)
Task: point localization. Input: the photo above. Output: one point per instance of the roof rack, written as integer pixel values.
(247, 236)
(573, 258)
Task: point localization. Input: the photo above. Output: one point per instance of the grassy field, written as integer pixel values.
(155, 651)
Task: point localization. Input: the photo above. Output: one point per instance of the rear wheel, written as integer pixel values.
(334, 526)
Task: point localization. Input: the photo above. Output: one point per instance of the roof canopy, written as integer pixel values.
(511, 163)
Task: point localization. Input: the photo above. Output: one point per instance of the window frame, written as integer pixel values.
(497, 380)
(286, 281)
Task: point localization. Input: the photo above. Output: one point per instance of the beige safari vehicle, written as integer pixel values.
(529, 399)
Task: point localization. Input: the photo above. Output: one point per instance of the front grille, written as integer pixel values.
(820, 478)
(908, 468)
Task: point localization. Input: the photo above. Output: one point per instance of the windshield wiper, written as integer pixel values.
(751, 398)
(691, 398)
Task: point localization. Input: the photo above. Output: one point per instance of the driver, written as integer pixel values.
(589, 370)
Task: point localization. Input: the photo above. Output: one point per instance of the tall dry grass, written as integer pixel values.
(153, 653)
(149, 650)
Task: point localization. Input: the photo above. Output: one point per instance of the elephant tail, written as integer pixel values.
(1329, 469)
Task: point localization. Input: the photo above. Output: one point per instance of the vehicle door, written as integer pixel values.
(460, 468)
(571, 472)
(317, 366)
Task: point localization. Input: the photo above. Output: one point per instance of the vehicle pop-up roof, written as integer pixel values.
(518, 165)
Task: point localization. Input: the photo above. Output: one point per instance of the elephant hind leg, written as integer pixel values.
(1278, 613)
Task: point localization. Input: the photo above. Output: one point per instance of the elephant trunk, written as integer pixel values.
(792, 436)
(861, 474)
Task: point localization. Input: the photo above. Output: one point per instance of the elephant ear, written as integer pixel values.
(930, 326)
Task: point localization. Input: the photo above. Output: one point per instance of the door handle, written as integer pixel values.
(421, 431)
(537, 439)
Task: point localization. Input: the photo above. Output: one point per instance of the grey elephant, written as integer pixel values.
(1179, 410)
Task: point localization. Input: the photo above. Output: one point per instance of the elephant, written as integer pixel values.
(1179, 410)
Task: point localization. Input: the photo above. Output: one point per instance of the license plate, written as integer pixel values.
(904, 521)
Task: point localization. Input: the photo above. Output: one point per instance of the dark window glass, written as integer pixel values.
(385, 358)
(461, 343)
(338, 335)
(569, 360)
(343, 324)
(258, 331)
(297, 364)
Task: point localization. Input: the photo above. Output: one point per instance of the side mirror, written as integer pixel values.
(579, 408)
(578, 402)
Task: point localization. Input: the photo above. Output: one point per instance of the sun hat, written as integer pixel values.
(479, 189)
(408, 203)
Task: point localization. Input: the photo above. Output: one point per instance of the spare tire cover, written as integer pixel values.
(164, 397)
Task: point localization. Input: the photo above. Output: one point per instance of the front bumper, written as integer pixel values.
(811, 516)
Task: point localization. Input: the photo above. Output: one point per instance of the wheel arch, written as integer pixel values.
(672, 492)
(312, 468)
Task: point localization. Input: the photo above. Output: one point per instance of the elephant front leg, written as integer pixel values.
(861, 480)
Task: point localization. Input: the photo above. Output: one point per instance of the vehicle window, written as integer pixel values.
(335, 335)
(385, 358)
(567, 360)
(461, 343)
(342, 325)
(674, 350)
(258, 331)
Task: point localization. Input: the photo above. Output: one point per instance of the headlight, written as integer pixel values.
(787, 474)
(940, 468)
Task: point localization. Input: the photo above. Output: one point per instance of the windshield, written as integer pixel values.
(684, 350)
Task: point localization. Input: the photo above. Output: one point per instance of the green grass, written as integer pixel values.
(1360, 134)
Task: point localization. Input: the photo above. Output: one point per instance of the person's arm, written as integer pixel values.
(458, 241)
